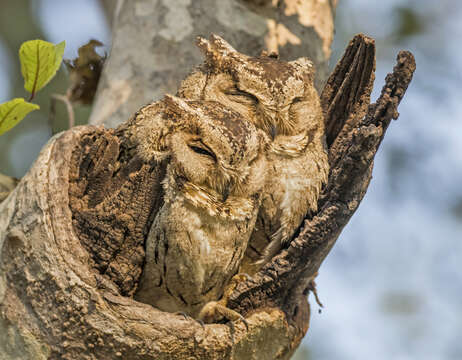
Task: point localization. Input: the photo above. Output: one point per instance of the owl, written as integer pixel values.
(279, 98)
(212, 192)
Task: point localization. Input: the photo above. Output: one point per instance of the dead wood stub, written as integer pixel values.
(347, 91)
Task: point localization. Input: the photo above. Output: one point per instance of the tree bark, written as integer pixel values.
(53, 304)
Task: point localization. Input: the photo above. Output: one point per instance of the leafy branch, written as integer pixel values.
(40, 60)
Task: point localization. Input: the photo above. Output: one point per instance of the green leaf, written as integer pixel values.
(40, 60)
(13, 111)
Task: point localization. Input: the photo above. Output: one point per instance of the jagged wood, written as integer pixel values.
(55, 305)
(347, 91)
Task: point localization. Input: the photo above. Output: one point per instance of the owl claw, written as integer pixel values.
(187, 317)
(201, 323)
(312, 288)
(244, 321)
(181, 313)
(232, 328)
(214, 312)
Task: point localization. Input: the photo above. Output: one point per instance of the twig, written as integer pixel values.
(69, 108)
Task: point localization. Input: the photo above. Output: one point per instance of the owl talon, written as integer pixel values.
(214, 312)
(201, 323)
(245, 322)
(232, 330)
(187, 317)
(313, 289)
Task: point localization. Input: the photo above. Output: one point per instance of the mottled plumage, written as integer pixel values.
(216, 169)
(278, 97)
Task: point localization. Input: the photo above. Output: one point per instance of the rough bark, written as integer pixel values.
(112, 196)
(53, 304)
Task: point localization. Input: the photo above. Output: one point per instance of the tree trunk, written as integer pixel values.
(53, 304)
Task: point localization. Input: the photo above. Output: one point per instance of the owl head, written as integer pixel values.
(210, 147)
(277, 96)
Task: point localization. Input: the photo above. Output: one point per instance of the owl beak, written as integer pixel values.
(281, 119)
(276, 120)
(273, 131)
(283, 116)
(230, 180)
(225, 193)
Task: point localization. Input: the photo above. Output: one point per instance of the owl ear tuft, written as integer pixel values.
(205, 46)
(305, 65)
(216, 50)
(221, 46)
(177, 105)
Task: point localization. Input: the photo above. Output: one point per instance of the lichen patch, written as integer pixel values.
(315, 13)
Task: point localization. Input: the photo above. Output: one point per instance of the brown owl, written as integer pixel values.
(212, 191)
(278, 97)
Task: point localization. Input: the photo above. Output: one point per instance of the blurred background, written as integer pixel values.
(392, 286)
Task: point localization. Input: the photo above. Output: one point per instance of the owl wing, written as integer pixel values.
(114, 196)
